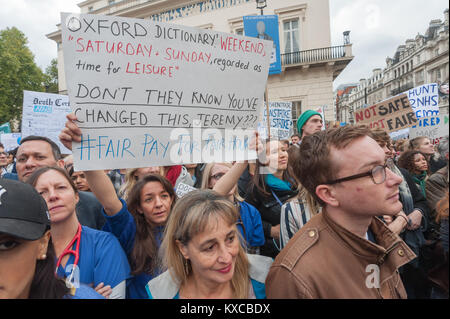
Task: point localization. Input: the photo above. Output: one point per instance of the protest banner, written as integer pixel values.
(424, 100)
(266, 27)
(5, 128)
(390, 115)
(183, 189)
(44, 114)
(152, 94)
(280, 120)
(434, 127)
(10, 140)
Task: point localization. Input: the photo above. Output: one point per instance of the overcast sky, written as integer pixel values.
(377, 27)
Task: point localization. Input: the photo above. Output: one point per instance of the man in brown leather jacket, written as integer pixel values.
(345, 251)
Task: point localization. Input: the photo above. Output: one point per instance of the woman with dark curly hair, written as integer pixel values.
(415, 162)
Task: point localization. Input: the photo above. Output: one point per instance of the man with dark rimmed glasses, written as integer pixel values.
(345, 251)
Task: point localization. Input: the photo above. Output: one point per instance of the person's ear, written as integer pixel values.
(77, 198)
(183, 249)
(327, 194)
(60, 163)
(43, 246)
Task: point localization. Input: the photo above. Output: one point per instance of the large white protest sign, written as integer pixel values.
(10, 140)
(280, 120)
(434, 127)
(424, 101)
(44, 114)
(149, 93)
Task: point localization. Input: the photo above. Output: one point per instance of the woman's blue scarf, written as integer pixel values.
(277, 184)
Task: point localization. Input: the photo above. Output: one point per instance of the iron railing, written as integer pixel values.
(314, 55)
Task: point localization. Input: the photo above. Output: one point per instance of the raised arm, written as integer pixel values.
(100, 184)
(230, 179)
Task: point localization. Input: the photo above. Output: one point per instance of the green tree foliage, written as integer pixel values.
(18, 72)
(51, 77)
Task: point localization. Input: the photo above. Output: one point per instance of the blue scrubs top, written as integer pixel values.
(102, 259)
(123, 226)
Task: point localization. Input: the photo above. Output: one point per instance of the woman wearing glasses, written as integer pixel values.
(249, 224)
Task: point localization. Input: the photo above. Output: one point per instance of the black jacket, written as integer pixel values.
(270, 210)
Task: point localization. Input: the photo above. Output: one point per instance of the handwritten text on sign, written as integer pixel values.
(390, 115)
(434, 128)
(280, 120)
(149, 93)
(424, 100)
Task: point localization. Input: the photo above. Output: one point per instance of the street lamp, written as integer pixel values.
(261, 4)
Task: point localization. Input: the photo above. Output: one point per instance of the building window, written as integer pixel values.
(239, 31)
(90, 9)
(418, 59)
(411, 63)
(419, 76)
(110, 2)
(438, 74)
(436, 52)
(296, 111)
(291, 36)
(395, 74)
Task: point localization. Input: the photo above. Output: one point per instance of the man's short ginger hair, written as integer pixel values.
(316, 167)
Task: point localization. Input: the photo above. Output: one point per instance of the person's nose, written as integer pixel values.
(393, 179)
(158, 201)
(30, 162)
(225, 255)
(52, 195)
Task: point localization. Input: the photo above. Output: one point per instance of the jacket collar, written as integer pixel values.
(165, 287)
(386, 242)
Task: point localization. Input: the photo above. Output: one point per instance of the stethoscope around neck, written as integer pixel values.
(69, 251)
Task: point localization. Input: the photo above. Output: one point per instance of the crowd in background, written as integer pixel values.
(267, 228)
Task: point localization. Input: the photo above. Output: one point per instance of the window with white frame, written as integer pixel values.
(291, 36)
(296, 111)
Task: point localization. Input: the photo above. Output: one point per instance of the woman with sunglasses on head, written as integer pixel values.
(138, 223)
(132, 175)
(221, 178)
(84, 254)
(203, 256)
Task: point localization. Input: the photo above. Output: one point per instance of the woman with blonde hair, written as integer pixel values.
(203, 256)
(249, 221)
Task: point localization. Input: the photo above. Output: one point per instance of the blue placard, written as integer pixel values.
(266, 28)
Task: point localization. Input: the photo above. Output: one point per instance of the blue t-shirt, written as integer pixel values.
(123, 226)
(101, 259)
(84, 292)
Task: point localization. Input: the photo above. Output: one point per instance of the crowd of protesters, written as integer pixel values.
(339, 213)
